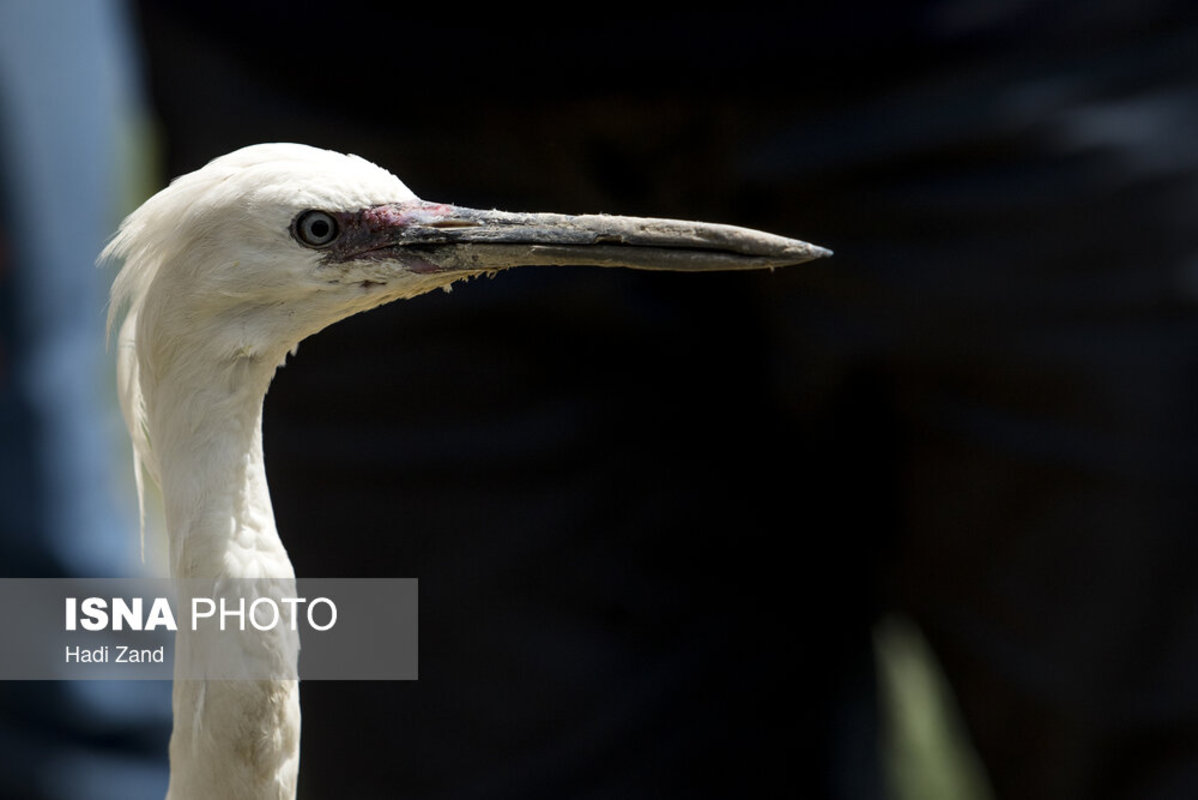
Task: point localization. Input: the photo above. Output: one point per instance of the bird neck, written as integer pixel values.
(206, 429)
(235, 739)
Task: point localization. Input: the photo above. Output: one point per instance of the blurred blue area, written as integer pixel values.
(67, 101)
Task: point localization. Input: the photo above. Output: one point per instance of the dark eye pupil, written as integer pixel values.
(315, 228)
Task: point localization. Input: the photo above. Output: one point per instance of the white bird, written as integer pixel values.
(225, 271)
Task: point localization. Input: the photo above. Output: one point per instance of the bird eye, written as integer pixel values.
(315, 228)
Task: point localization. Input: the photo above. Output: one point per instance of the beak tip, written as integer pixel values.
(807, 252)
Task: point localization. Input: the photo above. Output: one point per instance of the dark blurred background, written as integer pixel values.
(657, 519)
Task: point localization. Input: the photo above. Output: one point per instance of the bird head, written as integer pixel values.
(273, 242)
(238, 246)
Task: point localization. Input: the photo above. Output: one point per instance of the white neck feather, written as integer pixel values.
(232, 739)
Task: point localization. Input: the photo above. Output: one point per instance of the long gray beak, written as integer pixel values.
(437, 238)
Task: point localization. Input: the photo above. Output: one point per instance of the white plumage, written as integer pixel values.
(225, 271)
